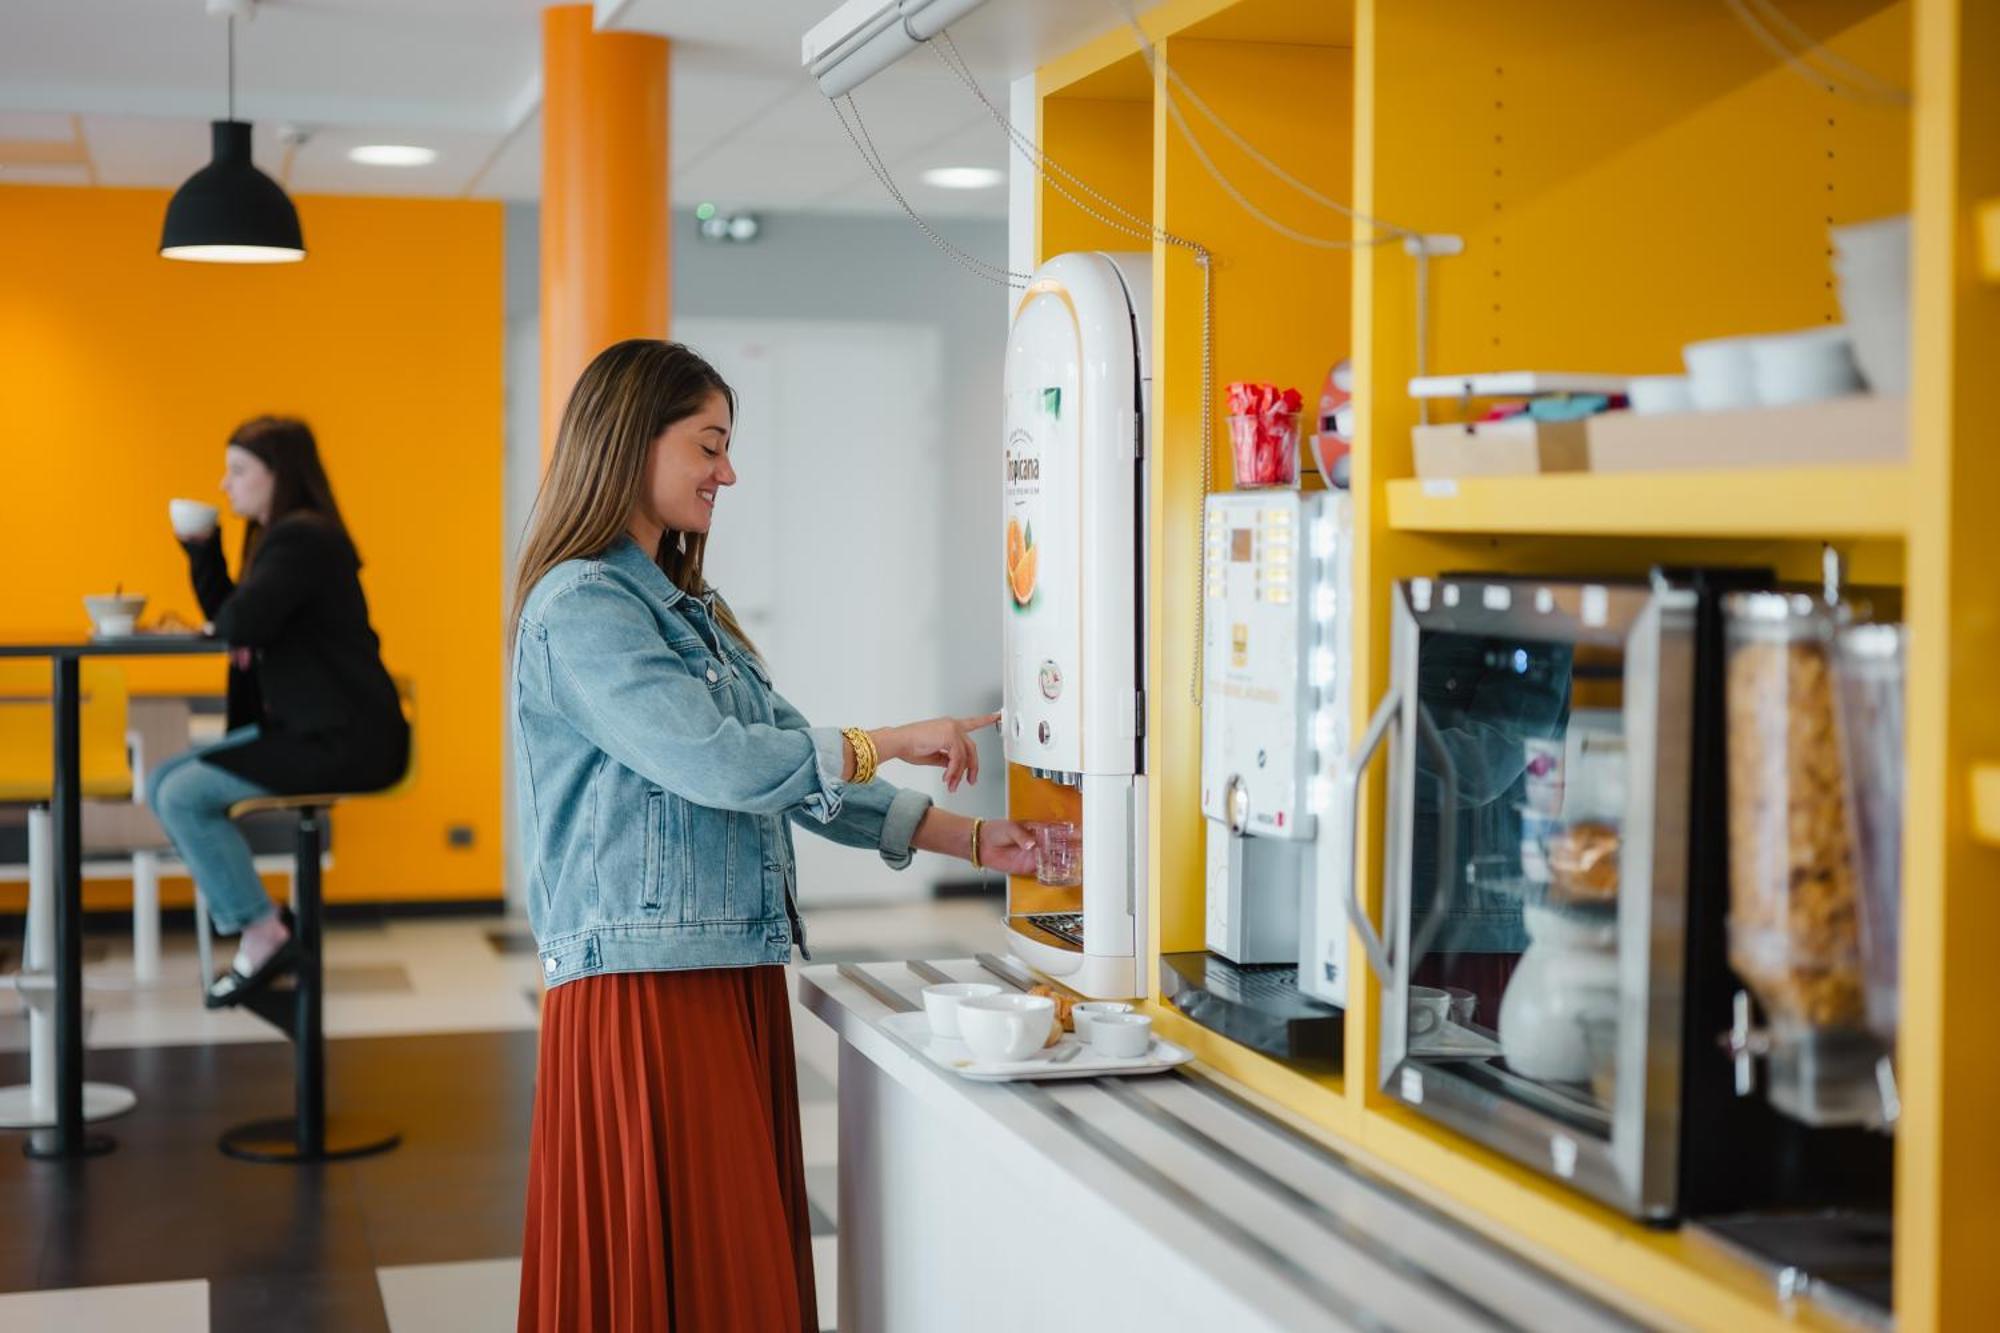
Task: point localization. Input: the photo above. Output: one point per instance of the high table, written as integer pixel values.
(68, 1137)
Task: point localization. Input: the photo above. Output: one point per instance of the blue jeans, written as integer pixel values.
(192, 800)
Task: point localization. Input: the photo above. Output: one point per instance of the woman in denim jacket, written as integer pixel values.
(659, 776)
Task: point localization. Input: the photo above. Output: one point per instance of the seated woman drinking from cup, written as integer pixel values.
(311, 708)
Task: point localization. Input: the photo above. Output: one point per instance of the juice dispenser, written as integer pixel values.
(1074, 664)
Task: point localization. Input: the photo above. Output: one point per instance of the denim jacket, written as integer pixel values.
(657, 775)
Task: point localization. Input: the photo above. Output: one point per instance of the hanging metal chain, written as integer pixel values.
(1195, 682)
(1112, 215)
(864, 144)
(1243, 201)
(1841, 77)
(1059, 179)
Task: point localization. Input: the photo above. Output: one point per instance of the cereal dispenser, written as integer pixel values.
(1074, 667)
(1797, 917)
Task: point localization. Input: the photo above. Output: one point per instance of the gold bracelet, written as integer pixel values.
(864, 754)
(859, 743)
(976, 825)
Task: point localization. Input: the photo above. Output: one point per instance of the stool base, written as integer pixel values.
(45, 1145)
(277, 1140)
(101, 1101)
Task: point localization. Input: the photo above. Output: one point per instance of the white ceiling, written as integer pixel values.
(120, 92)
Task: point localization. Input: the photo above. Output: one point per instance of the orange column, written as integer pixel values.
(604, 196)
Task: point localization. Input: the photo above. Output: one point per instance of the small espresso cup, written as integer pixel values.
(941, 1003)
(192, 520)
(1430, 1010)
(1083, 1015)
(1000, 1028)
(1121, 1036)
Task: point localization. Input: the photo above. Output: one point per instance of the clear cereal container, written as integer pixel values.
(1868, 666)
(1794, 893)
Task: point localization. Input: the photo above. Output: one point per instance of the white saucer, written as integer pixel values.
(914, 1031)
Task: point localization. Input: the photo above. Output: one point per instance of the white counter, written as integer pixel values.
(1114, 1204)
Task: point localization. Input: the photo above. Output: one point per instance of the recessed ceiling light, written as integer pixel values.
(392, 155)
(964, 178)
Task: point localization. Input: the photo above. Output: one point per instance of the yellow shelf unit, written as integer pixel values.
(1284, 1084)
(1807, 503)
(1986, 803)
(1989, 240)
(1947, 1156)
(1626, 178)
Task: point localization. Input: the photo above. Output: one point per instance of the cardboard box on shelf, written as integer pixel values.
(1516, 447)
(1863, 428)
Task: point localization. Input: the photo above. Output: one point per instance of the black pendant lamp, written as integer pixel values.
(229, 212)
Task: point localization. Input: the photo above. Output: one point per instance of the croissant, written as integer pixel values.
(1065, 1021)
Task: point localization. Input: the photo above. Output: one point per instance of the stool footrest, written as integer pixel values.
(277, 1140)
(320, 801)
(276, 1005)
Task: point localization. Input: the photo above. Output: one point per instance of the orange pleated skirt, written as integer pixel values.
(666, 1180)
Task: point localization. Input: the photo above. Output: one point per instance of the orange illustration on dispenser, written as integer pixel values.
(1021, 561)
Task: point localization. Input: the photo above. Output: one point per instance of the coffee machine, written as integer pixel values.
(1276, 660)
(1076, 386)
(1276, 671)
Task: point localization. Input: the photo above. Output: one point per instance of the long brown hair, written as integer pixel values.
(299, 483)
(630, 393)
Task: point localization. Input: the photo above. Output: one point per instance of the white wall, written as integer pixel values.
(846, 269)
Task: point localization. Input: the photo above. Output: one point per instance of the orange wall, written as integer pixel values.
(121, 375)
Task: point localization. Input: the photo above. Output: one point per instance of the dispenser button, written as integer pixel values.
(1043, 733)
(1051, 680)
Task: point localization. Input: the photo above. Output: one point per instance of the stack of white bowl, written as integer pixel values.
(1870, 351)
(1872, 264)
(1772, 369)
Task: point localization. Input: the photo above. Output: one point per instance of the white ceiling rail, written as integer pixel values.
(864, 37)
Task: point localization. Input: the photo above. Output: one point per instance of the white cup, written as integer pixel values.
(1804, 367)
(192, 520)
(1121, 1036)
(1721, 374)
(941, 1002)
(1087, 1012)
(1001, 1028)
(1430, 1010)
(1652, 395)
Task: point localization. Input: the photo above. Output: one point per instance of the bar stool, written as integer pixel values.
(307, 1135)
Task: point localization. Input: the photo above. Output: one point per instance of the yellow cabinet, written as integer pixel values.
(1625, 178)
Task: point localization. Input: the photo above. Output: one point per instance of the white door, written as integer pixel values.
(832, 548)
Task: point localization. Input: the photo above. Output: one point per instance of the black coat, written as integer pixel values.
(328, 710)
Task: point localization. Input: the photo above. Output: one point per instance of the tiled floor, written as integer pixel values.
(432, 1026)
